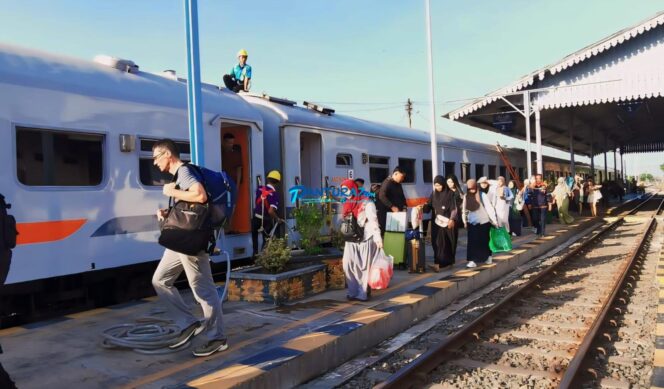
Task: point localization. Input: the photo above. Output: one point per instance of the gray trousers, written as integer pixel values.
(198, 272)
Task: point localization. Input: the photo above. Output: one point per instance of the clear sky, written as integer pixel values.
(361, 57)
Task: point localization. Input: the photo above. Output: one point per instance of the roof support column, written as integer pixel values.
(526, 112)
(606, 164)
(572, 167)
(592, 153)
(538, 141)
(622, 166)
(615, 165)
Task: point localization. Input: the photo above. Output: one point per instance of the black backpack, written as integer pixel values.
(8, 230)
(351, 230)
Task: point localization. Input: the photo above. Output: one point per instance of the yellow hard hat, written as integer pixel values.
(243, 53)
(274, 174)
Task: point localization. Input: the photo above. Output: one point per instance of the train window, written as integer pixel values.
(344, 160)
(58, 158)
(521, 173)
(379, 168)
(426, 170)
(408, 167)
(465, 172)
(479, 170)
(503, 171)
(492, 172)
(449, 168)
(149, 174)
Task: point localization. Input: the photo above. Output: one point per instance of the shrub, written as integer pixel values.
(308, 222)
(275, 255)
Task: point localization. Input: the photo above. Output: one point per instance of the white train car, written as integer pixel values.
(317, 148)
(76, 160)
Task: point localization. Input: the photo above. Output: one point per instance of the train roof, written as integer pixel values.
(290, 113)
(27, 67)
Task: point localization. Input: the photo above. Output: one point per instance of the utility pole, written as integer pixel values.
(409, 111)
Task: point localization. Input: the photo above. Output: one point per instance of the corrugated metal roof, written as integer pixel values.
(567, 62)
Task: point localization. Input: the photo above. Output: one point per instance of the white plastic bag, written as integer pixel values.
(381, 271)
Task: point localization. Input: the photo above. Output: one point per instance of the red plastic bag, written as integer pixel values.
(381, 271)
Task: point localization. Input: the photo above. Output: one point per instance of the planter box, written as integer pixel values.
(249, 285)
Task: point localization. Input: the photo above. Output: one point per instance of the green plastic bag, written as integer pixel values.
(500, 241)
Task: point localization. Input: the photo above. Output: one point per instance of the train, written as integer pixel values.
(77, 138)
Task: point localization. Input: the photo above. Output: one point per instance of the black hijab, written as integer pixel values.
(442, 202)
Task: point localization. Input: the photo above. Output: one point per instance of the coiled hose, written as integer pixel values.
(153, 335)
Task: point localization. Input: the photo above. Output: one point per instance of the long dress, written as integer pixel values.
(444, 239)
(479, 228)
(503, 206)
(561, 194)
(358, 257)
(515, 214)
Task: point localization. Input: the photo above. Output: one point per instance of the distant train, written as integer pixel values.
(76, 142)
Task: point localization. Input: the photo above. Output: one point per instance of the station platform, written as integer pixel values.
(270, 346)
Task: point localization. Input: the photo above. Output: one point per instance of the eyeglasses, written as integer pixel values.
(156, 157)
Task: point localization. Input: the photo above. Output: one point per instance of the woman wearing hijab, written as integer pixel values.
(515, 213)
(561, 195)
(594, 195)
(358, 257)
(503, 203)
(444, 211)
(478, 217)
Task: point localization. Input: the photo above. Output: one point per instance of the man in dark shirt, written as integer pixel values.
(231, 158)
(390, 196)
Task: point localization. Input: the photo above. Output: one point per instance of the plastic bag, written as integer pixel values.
(500, 241)
(381, 271)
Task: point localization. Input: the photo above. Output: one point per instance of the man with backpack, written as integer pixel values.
(266, 207)
(188, 187)
(7, 243)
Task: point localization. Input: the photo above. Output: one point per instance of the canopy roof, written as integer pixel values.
(608, 95)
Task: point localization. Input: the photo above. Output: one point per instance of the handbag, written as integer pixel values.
(187, 228)
(442, 221)
(350, 229)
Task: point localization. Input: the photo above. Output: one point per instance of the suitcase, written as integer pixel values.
(417, 256)
(394, 244)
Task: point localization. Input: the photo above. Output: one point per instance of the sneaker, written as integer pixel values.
(186, 334)
(489, 261)
(513, 233)
(211, 347)
(471, 264)
(435, 268)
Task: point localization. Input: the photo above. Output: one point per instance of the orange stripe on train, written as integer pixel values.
(50, 231)
(414, 202)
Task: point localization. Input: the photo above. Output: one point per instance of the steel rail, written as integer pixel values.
(415, 373)
(573, 371)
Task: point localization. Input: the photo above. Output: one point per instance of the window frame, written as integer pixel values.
(481, 175)
(408, 180)
(463, 165)
(148, 155)
(424, 171)
(58, 129)
(488, 172)
(445, 172)
(378, 165)
(344, 166)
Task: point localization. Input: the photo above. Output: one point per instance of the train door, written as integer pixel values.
(235, 155)
(311, 160)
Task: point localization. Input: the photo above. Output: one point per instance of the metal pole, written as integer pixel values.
(526, 111)
(615, 166)
(622, 166)
(538, 141)
(606, 164)
(434, 143)
(572, 167)
(194, 83)
(592, 153)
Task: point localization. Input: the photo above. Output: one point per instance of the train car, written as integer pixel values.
(316, 148)
(76, 140)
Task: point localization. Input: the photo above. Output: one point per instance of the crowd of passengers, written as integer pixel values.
(478, 206)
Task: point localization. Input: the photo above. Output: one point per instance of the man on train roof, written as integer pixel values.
(240, 75)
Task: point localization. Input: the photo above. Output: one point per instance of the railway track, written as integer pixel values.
(539, 334)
